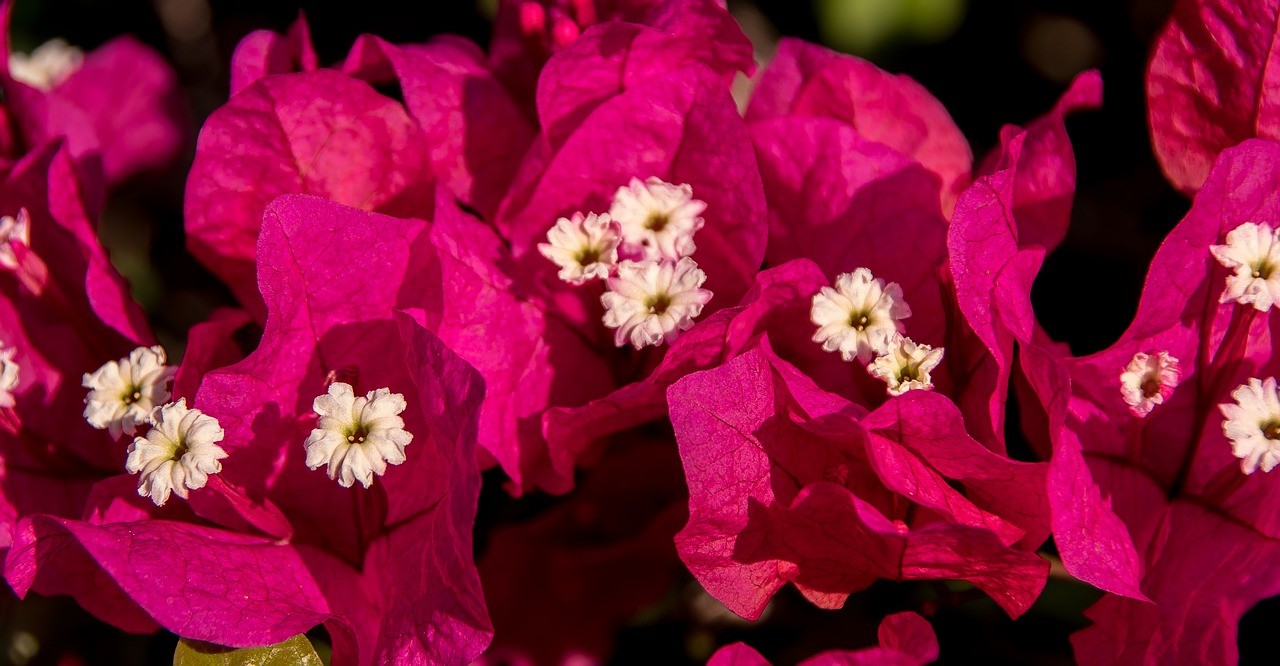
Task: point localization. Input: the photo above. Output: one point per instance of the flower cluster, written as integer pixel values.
(494, 270)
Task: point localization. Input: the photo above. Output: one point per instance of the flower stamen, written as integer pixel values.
(1253, 251)
(178, 454)
(584, 247)
(860, 317)
(8, 376)
(651, 302)
(123, 392)
(1149, 380)
(907, 366)
(657, 219)
(357, 437)
(1253, 424)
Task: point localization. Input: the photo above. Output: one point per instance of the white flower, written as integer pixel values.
(47, 66)
(357, 437)
(657, 218)
(125, 391)
(860, 317)
(907, 365)
(650, 301)
(8, 376)
(179, 452)
(13, 230)
(1149, 380)
(1253, 424)
(1254, 252)
(583, 247)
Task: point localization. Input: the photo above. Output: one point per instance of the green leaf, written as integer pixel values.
(295, 651)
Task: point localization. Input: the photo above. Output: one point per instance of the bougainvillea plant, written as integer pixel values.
(724, 329)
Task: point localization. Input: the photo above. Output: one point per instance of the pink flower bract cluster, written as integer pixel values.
(379, 222)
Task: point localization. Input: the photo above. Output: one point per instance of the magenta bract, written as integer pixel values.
(1170, 476)
(1209, 84)
(808, 80)
(389, 568)
(120, 112)
(319, 133)
(789, 483)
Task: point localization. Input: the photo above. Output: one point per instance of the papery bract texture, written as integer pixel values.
(681, 127)
(792, 484)
(808, 80)
(847, 202)
(613, 57)
(527, 33)
(530, 358)
(63, 310)
(1045, 181)
(1203, 574)
(388, 569)
(473, 130)
(1170, 474)
(318, 133)
(264, 53)
(1210, 84)
(993, 269)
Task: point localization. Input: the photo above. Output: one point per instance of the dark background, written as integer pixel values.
(990, 62)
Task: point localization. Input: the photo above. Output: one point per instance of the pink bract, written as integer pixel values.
(1170, 477)
(789, 483)
(120, 113)
(69, 315)
(263, 53)
(808, 80)
(388, 569)
(1209, 84)
(319, 133)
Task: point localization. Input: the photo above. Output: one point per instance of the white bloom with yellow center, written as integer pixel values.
(8, 376)
(1254, 252)
(1253, 424)
(1149, 380)
(657, 218)
(651, 302)
(907, 366)
(357, 437)
(47, 66)
(13, 230)
(860, 317)
(178, 454)
(124, 392)
(583, 247)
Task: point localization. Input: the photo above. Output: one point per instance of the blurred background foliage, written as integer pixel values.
(990, 62)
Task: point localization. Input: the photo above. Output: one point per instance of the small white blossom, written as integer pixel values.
(1149, 380)
(657, 218)
(179, 452)
(125, 391)
(1253, 424)
(47, 66)
(357, 437)
(1254, 252)
(583, 247)
(650, 302)
(907, 366)
(860, 317)
(8, 376)
(13, 230)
